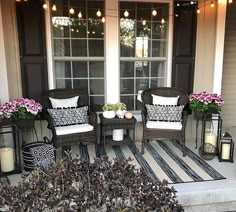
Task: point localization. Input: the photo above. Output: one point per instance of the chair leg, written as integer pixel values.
(184, 148)
(143, 145)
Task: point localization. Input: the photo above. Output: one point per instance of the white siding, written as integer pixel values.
(229, 69)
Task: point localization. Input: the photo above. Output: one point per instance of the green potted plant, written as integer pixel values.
(109, 110)
(120, 109)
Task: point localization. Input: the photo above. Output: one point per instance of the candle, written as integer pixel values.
(225, 152)
(210, 138)
(7, 159)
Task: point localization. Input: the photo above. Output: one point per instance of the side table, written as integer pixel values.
(117, 123)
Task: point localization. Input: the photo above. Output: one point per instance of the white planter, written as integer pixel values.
(118, 135)
(109, 114)
(120, 113)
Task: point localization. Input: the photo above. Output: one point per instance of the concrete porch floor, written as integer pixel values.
(212, 196)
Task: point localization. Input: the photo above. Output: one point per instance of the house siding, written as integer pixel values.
(229, 69)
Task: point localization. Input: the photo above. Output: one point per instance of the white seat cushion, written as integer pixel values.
(164, 125)
(78, 128)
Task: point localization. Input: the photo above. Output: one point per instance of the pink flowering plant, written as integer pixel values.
(203, 101)
(20, 109)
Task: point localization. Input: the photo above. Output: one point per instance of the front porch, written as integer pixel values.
(216, 195)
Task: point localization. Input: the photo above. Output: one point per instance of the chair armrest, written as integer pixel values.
(144, 117)
(50, 124)
(93, 119)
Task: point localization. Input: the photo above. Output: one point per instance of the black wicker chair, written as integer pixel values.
(65, 141)
(155, 133)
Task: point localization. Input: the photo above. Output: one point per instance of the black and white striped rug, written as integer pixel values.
(162, 160)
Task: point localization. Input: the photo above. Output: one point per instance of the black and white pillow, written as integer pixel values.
(69, 116)
(43, 155)
(171, 113)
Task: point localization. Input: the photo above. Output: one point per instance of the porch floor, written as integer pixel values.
(219, 195)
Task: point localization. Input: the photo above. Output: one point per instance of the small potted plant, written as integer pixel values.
(120, 109)
(109, 110)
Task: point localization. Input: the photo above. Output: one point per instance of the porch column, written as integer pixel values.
(112, 70)
(219, 46)
(4, 91)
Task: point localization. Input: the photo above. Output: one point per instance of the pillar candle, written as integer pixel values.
(211, 138)
(225, 152)
(7, 159)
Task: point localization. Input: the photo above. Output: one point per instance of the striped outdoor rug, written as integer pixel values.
(162, 160)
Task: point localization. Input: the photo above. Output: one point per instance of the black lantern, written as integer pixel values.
(226, 148)
(211, 131)
(9, 148)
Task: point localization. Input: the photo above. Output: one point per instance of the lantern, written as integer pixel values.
(9, 148)
(211, 130)
(226, 148)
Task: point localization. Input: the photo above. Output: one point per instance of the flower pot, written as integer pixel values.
(118, 135)
(109, 114)
(199, 115)
(24, 124)
(120, 113)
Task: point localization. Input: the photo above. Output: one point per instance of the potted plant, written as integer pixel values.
(109, 110)
(204, 102)
(120, 109)
(75, 185)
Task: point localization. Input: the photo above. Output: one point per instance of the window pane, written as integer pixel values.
(96, 86)
(159, 31)
(82, 84)
(158, 69)
(80, 69)
(142, 84)
(130, 7)
(96, 48)
(63, 83)
(129, 101)
(79, 47)
(95, 29)
(60, 30)
(96, 69)
(159, 82)
(96, 103)
(127, 69)
(142, 47)
(61, 47)
(159, 48)
(79, 29)
(144, 11)
(142, 68)
(144, 29)
(62, 69)
(127, 86)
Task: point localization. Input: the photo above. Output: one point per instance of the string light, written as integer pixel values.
(126, 13)
(54, 8)
(18, 0)
(212, 4)
(144, 22)
(79, 14)
(72, 11)
(198, 10)
(45, 6)
(154, 12)
(99, 13)
(103, 20)
(230, 1)
(191, 2)
(162, 20)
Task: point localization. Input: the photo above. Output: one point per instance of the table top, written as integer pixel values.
(117, 120)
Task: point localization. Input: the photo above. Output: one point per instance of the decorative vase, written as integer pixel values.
(109, 114)
(128, 115)
(200, 114)
(120, 113)
(118, 135)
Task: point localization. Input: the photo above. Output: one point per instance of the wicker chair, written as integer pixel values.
(68, 140)
(150, 133)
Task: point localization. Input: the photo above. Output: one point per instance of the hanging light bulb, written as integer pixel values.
(230, 1)
(212, 4)
(54, 8)
(72, 11)
(162, 20)
(191, 2)
(18, 0)
(79, 14)
(99, 13)
(144, 22)
(45, 6)
(198, 10)
(126, 13)
(103, 20)
(154, 12)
